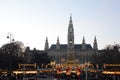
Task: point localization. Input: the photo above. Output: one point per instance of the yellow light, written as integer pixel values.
(111, 72)
(26, 72)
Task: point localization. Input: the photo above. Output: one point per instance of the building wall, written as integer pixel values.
(80, 57)
(78, 53)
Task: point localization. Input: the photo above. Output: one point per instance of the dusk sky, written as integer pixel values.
(31, 21)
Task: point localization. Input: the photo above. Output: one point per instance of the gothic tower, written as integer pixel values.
(46, 45)
(83, 44)
(95, 46)
(70, 38)
(70, 34)
(58, 45)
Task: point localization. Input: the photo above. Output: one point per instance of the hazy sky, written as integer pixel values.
(30, 21)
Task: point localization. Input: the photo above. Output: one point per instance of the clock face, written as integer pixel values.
(70, 41)
(70, 29)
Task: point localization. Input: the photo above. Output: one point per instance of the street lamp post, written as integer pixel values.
(86, 67)
(11, 37)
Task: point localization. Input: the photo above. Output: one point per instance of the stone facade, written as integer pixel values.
(71, 53)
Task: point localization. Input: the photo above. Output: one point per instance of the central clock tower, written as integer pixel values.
(70, 38)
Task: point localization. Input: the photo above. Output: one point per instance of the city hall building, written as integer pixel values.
(71, 53)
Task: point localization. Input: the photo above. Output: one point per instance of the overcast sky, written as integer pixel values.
(31, 21)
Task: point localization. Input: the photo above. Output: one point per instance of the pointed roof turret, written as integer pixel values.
(83, 44)
(58, 44)
(95, 46)
(46, 45)
(58, 40)
(95, 40)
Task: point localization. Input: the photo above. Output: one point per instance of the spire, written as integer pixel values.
(70, 21)
(58, 44)
(70, 27)
(95, 47)
(70, 16)
(83, 44)
(58, 40)
(70, 34)
(46, 45)
(70, 40)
